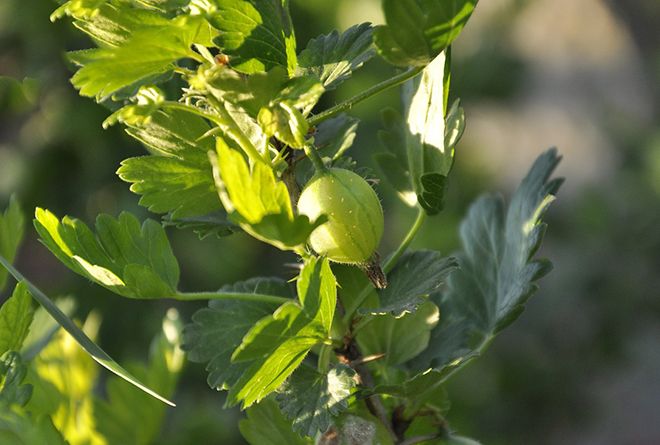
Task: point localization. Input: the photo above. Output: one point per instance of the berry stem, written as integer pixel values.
(314, 156)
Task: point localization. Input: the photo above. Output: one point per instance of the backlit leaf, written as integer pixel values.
(15, 317)
(12, 227)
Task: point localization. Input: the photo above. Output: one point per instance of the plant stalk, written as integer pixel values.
(376, 89)
(314, 156)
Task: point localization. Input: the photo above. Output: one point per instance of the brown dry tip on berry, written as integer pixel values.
(222, 59)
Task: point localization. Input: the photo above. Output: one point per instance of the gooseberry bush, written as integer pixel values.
(351, 350)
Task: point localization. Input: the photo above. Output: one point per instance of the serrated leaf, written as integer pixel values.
(148, 52)
(310, 399)
(15, 318)
(218, 330)
(115, 417)
(214, 224)
(496, 272)
(17, 426)
(278, 343)
(415, 277)
(12, 374)
(98, 354)
(131, 260)
(266, 425)
(285, 123)
(423, 389)
(418, 30)
(333, 57)
(258, 202)
(399, 338)
(256, 34)
(12, 228)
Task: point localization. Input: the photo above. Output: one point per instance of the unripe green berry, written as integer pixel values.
(355, 216)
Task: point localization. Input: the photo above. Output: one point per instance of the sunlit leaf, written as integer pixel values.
(12, 227)
(15, 317)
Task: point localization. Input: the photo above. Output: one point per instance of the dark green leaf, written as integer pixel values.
(418, 30)
(310, 400)
(266, 425)
(415, 277)
(15, 317)
(334, 136)
(496, 270)
(333, 57)
(259, 202)
(20, 428)
(256, 34)
(12, 227)
(218, 330)
(400, 339)
(424, 389)
(278, 343)
(12, 374)
(131, 260)
(98, 354)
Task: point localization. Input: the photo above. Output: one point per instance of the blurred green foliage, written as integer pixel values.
(536, 383)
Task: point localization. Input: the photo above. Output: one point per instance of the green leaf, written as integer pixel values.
(393, 163)
(15, 318)
(402, 338)
(256, 34)
(218, 330)
(334, 136)
(418, 30)
(285, 123)
(12, 374)
(496, 272)
(266, 425)
(333, 57)
(424, 389)
(109, 23)
(131, 260)
(311, 400)
(278, 343)
(416, 276)
(429, 160)
(18, 96)
(12, 228)
(98, 354)
(258, 202)
(148, 52)
(17, 427)
(215, 224)
(115, 417)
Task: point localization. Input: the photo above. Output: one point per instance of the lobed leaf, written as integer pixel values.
(310, 399)
(266, 425)
(496, 272)
(334, 136)
(418, 30)
(15, 318)
(258, 202)
(256, 34)
(333, 57)
(131, 260)
(13, 390)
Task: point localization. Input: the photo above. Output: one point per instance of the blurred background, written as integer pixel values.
(582, 364)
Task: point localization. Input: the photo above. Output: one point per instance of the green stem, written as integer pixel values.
(376, 89)
(314, 156)
(195, 296)
(324, 358)
(389, 264)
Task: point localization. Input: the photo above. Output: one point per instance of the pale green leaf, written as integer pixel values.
(148, 52)
(115, 416)
(77, 334)
(218, 330)
(285, 123)
(131, 260)
(415, 277)
(278, 343)
(333, 57)
(310, 399)
(418, 30)
(12, 227)
(256, 34)
(496, 272)
(15, 318)
(400, 339)
(12, 374)
(266, 425)
(259, 202)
